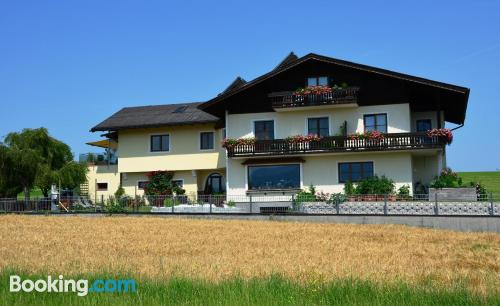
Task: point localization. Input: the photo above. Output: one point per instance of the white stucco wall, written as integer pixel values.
(433, 116)
(322, 171)
(295, 122)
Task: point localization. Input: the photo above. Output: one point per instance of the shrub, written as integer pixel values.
(113, 206)
(404, 192)
(482, 194)
(119, 192)
(447, 179)
(171, 201)
(348, 188)
(307, 195)
(337, 198)
(375, 185)
(160, 183)
(231, 203)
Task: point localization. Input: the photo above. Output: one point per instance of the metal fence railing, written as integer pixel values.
(421, 204)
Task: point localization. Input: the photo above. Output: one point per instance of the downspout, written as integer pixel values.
(456, 128)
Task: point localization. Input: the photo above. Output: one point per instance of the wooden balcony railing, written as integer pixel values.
(287, 99)
(394, 141)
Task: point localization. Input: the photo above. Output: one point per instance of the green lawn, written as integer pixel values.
(491, 180)
(268, 291)
(35, 193)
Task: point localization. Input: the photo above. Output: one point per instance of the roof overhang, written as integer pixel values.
(215, 105)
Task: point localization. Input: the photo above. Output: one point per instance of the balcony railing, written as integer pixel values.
(287, 99)
(394, 141)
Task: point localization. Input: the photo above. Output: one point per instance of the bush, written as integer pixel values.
(113, 206)
(307, 195)
(349, 188)
(231, 203)
(375, 185)
(160, 184)
(447, 179)
(120, 192)
(170, 201)
(404, 192)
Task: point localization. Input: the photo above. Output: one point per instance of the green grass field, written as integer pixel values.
(268, 291)
(490, 180)
(35, 193)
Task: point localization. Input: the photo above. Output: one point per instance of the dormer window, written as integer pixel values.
(317, 81)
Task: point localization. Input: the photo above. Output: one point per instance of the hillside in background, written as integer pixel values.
(490, 180)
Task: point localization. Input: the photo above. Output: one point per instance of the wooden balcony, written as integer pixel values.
(337, 144)
(286, 100)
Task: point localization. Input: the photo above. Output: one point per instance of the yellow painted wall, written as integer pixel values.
(295, 122)
(322, 171)
(192, 184)
(185, 154)
(102, 174)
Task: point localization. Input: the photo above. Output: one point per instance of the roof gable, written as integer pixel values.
(449, 92)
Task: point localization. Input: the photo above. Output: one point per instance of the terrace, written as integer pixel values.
(288, 100)
(333, 144)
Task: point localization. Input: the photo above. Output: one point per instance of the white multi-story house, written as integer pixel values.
(343, 105)
(312, 120)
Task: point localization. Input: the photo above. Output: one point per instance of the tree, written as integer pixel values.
(160, 183)
(34, 158)
(18, 169)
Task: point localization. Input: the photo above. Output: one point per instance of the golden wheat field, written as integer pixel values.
(216, 249)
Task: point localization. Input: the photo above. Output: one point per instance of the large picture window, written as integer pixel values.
(160, 143)
(264, 129)
(354, 172)
(376, 122)
(274, 177)
(318, 127)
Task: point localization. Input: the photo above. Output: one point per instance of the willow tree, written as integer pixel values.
(33, 158)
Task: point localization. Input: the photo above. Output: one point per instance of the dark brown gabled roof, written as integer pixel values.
(237, 83)
(290, 58)
(291, 62)
(155, 116)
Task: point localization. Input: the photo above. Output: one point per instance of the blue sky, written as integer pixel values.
(67, 65)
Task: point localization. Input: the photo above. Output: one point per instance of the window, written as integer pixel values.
(142, 184)
(376, 122)
(214, 184)
(274, 177)
(354, 172)
(264, 130)
(424, 125)
(318, 126)
(317, 81)
(102, 186)
(160, 143)
(180, 109)
(206, 140)
(178, 183)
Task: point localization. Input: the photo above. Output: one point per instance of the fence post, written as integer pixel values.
(250, 203)
(337, 206)
(102, 199)
(492, 206)
(173, 204)
(385, 204)
(210, 203)
(436, 204)
(294, 206)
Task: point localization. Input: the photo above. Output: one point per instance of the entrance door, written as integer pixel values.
(214, 184)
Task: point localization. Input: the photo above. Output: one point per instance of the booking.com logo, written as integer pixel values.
(81, 286)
